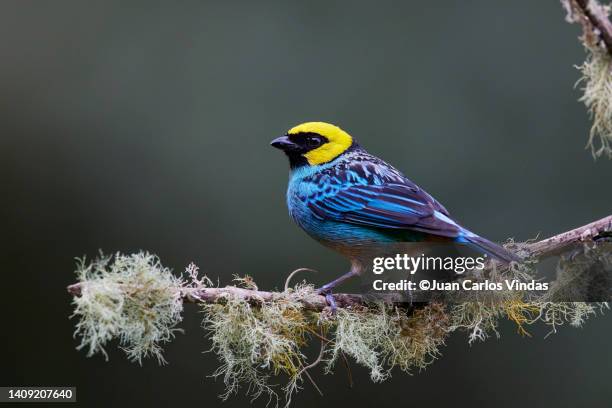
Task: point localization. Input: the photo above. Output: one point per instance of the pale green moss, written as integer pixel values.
(596, 75)
(252, 341)
(382, 337)
(477, 318)
(363, 335)
(132, 298)
(597, 96)
(136, 300)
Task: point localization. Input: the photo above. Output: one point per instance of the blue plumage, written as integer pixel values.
(370, 196)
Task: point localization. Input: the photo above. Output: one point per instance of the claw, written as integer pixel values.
(326, 290)
(329, 298)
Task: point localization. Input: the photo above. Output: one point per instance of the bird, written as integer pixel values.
(351, 201)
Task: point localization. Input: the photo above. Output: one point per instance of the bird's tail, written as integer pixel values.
(497, 251)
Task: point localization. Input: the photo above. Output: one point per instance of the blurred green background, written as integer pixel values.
(145, 125)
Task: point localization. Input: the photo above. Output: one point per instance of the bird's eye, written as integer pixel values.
(313, 141)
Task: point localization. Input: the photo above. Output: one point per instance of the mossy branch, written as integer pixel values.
(312, 301)
(259, 334)
(596, 70)
(594, 231)
(595, 20)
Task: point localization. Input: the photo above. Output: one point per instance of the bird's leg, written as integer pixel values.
(327, 289)
(329, 286)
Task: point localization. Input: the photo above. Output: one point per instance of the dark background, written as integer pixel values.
(146, 126)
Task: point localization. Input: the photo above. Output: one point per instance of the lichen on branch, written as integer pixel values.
(260, 337)
(132, 298)
(596, 71)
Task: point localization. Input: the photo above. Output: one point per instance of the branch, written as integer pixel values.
(555, 245)
(137, 301)
(597, 17)
(596, 70)
(312, 301)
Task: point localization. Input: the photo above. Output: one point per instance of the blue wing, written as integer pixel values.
(370, 193)
(397, 203)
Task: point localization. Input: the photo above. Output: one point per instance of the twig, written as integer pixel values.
(348, 369)
(315, 302)
(597, 17)
(558, 243)
(315, 363)
(292, 274)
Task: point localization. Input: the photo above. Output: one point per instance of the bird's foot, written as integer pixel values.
(329, 298)
(326, 290)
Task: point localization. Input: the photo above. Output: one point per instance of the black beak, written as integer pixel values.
(283, 143)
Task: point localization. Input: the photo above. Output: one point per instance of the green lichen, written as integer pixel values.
(597, 96)
(255, 339)
(132, 298)
(381, 337)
